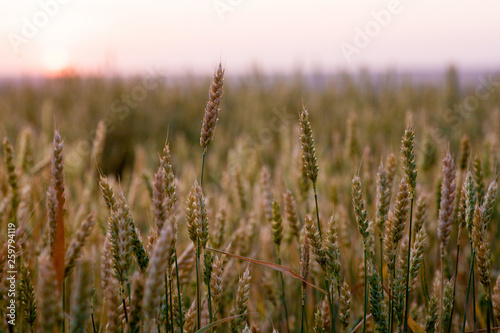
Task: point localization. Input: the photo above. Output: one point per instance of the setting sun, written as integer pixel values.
(55, 58)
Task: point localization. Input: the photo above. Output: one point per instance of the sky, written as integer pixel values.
(44, 37)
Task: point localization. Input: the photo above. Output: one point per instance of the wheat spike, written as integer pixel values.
(408, 152)
(383, 198)
(481, 249)
(317, 247)
(134, 324)
(447, 202)
(332, 250)
(159, 199)
(359, 207)
(98, 143)
(216, 283)
(76, 245)
(114, 321)
(219, 227)
(156, 272)
(190, 319)
(377, 305)
(27, 296)
(489, 203)
(48, 296)
(12, 175)
(291, 215)
(308, 150)
(211, 116)
(266, 193)
(80, 298)
(464, 152)
(318, 322)
(241, 301)
(277, 225)
(479, 179)
(420, 212)
(496, 300)
(345, 306)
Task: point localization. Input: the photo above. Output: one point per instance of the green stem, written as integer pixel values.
(179, 293)
(391, 296)
(172, 324)
(366, 295)
(488, 326)
(423, 282)
(381, 259)
(210, 314)
(303, 295)
(202, 166)
(317, 210)
(283, 297)
(455, 282)
(330, 301)
(198, 306)
(125, 309)
(407, 293)
(93, 323)
(490, 304)
(441, 327)
(474, 290)
(468, 290)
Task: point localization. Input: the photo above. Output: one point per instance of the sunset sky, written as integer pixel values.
(129, 37)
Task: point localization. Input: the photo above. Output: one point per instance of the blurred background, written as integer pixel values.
(42, 37)
(145, 70)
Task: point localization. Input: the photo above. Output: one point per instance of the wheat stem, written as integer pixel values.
(283, 297)
(407, 292)
(210, 314)
(441, 295)
(474, 289)
(198, 305)
(455, 281)
(179, 292)
(202, 166)
(391, 296)
(468, 290)
(491, 307)
(330, 302)
(317, 211)
(381, 259)
(366, 294)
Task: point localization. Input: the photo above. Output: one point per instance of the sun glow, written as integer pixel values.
(55, 58)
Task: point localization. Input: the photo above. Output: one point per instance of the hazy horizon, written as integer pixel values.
(44, 37)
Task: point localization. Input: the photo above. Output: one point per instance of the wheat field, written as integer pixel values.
(272, 205)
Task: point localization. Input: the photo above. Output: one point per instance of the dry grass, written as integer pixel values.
(145, 250)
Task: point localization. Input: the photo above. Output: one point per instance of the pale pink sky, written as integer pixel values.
(125, 37)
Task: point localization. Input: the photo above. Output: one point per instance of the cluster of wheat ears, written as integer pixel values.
(258, 258)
